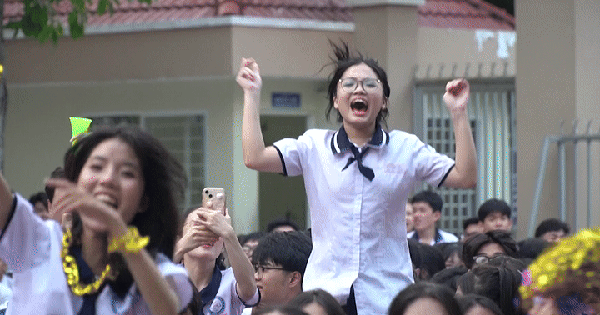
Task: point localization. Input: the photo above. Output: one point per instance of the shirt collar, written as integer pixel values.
(208, 294)
(437, 238)
(340, 142)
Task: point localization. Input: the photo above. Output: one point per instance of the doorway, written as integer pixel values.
(279, 196)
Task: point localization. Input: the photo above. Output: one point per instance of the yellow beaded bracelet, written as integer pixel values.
(130, 242)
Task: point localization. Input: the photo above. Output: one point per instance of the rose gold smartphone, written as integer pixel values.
(214, 195)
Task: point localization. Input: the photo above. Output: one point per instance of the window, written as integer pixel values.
(491, 113)
(182, 135)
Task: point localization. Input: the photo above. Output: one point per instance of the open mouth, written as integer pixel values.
(109, 201)
(359, 106)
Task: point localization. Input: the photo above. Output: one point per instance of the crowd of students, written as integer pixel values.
(110, 242)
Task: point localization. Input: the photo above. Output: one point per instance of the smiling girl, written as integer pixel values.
(121, 186)
(358, 179)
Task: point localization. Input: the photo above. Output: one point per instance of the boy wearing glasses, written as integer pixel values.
(279, 263)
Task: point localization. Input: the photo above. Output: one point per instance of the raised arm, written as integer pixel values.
(464, 173)
(256, 155)
(220, 224)
(6, 200)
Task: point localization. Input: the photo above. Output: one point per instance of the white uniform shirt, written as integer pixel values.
(440, 237)
(226, 300)
(31, 248)
(359, 226)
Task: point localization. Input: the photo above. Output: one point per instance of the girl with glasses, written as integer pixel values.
(358, 178)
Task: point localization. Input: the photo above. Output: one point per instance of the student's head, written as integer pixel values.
(424, 298)
(427, 260)
(427, 208)
(358, 89)
(132, 172)
(471, 226)
(552, 230)
(249, 243)
(282, 225)
(500, 284)
(39, 201)
(452, 253)
(317, 302)
(531, 248)
(474, 304)
(479, 248)
(206, 252)
(279, 262)
(449, 276)
(495, 214)
(410, 215)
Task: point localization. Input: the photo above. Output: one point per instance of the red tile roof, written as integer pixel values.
(470, 14)
(434, 13)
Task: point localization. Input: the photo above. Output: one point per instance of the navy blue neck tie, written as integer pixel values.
(358, 157)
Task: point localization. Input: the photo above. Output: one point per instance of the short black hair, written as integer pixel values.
(551, 225)
(472, 245)
(420, 290)
(426, 257)
(281, 222)
(468, 301)
(469, 221)
(449, 276)
(244, 238)
(430, 197)
(288, 249)
(58, 172)
(39, 197)
(531, 247)
(493, 205)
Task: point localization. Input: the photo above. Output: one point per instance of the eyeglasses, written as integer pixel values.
(261, 269)
(483, 259)
(351, 84)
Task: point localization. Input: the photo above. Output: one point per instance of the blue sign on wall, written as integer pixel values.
(289, 100)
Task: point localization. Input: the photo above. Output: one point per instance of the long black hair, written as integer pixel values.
(342, 60)
(164, 183)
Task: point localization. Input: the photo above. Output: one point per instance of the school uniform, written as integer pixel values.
(221, 296)
(440, 237)
(31, 248)
(357, 199)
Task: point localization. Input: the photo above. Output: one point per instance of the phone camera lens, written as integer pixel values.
(210, 196)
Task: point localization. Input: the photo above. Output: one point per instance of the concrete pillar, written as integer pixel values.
(387, 31)
(558, 76)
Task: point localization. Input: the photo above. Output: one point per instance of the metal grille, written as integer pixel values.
(491, 108)
(183, 136)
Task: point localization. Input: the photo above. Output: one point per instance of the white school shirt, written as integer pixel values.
(440, 237)
(31, 248)
(359, 226)
(226, 300)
